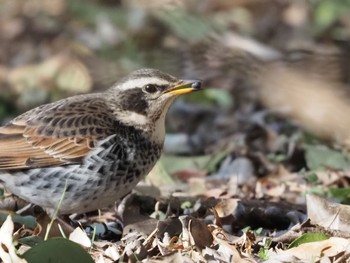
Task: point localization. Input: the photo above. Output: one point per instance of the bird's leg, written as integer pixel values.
(121, 207)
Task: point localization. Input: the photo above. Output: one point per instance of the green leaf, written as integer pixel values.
(185, 25)
(186, 204)
(277, 157)
(57, 250)
(307, 238)
(30, 241)
(27, 221)
(173, 163)
(221, 97)
(320, 156)
(211, 96)
(312, 178)
(325, 14)
(86, 12)
(264, 249)
(342, 194)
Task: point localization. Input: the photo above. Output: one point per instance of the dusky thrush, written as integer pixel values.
(94, 147)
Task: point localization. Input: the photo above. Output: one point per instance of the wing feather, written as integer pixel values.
(42, 137)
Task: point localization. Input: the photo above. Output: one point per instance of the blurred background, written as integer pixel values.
(276, 75)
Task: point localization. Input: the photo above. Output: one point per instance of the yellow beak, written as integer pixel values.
(184, 87)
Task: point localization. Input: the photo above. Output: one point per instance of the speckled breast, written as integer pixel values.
(110, 172)
(125, 159)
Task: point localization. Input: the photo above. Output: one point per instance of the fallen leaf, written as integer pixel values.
(80, 237)
(7, 249)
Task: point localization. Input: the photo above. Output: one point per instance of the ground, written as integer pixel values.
(255, 167)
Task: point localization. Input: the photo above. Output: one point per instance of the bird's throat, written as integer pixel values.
(153, 129)
(132, 118)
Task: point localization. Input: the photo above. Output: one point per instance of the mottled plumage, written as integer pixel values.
(98, 146)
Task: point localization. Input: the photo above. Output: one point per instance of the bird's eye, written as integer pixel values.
(150, 88)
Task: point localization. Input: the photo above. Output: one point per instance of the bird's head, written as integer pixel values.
(143, 98)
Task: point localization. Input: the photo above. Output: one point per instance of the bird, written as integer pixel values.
(90, 149)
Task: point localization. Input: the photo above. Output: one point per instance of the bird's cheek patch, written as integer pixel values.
(134, 100)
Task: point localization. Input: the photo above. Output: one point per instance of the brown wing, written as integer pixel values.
(59, 133)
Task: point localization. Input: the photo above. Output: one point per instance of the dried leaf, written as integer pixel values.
(328, 214)
(7, 249)
(80, 237)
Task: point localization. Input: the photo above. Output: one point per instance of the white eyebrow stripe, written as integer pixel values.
(134, 83)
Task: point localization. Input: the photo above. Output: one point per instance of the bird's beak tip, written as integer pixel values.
(185, 86)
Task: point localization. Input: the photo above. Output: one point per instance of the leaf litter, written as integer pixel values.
(249, 162)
